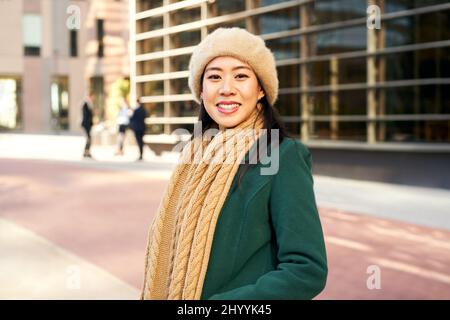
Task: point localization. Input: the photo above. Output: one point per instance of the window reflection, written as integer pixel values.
(328, 11)
(185, 39)
(338, 41)
(415, 99)
(184, 108)
(288, 104)
(180, 63)
(285, 48)
(185, 16)
(414, 131)
(151, 88)
(275, 21)
(149, 45)
(400, 5)
(342, 130)
(10, 92)
(222, 7)
(289, 76)
(179, 86)
(149, 67)
(149, 24)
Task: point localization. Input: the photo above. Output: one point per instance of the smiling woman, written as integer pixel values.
(225, 229)
(230, 91)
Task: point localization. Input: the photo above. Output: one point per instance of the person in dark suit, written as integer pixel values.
(137, 124)
(87, 122)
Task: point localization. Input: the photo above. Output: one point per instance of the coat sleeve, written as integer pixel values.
(302, 263)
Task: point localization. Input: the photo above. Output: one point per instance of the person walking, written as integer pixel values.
(226, 228)
(123, 120)
(87, 122)
(137, 124)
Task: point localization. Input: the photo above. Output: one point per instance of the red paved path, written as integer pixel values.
(103, 216)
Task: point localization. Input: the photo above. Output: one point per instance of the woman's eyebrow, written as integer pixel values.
(219, 69)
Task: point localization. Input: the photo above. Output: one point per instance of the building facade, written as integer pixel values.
(365, 84)
(53, 53)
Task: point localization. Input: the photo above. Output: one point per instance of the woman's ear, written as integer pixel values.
(261, 94)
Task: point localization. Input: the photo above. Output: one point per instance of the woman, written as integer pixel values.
(123, 120)
(224, 229)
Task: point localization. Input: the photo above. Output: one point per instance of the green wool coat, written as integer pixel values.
(268, 242)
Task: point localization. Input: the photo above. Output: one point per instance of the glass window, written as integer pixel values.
(414, 100)
(288, 104)
(185, 108)
(183, 16)
(328, 11)
(151, 88)
(222, 7)
(289, 76)
(32, 34)
(339, 130)
(400, 5)
(293, 128)
(185, 39)
(348, 102)
(414, 131)
(429, 63)
(319, 73)
(180, 63)
(263, 3)
(398, 66)
(320, 103)
(10, 115)
(352, 102)
(422, 28)
(347, 71)
(285, 48)
(275, 21)
(338, 41)
(60, 103)
(100, 36)
(149, 45)
(149, 67)
(149, 24)
(179, 86)
(73, 43)
(97, 86)
(143, 5)
(352, 70)
(154, 109)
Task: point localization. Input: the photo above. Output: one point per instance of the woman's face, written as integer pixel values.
(230, 91)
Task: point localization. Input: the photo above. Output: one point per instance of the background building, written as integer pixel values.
(370, 103)
(46, 69)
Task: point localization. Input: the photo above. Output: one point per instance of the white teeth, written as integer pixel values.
(228, 106)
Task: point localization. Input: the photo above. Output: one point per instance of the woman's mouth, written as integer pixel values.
(227, 108)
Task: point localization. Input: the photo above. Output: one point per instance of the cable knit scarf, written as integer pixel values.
(181, 234)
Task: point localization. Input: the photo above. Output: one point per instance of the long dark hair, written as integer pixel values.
(272, 120)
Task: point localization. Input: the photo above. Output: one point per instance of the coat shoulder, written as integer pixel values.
(293, 149)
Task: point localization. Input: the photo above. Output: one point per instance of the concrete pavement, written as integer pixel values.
(34, 268)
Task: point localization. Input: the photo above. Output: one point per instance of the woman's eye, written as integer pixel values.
(214, 77)
(241, 76)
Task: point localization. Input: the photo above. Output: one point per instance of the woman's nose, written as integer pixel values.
(226, 87)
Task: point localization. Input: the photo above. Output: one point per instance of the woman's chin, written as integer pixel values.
(226, 124)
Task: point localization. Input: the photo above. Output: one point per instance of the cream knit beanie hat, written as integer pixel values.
(240, 44)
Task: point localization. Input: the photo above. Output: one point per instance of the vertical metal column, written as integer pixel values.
(166, 69)
(334, 98)
(304, 53)
(371, 81)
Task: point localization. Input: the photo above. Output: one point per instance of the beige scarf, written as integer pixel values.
(181, 234)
